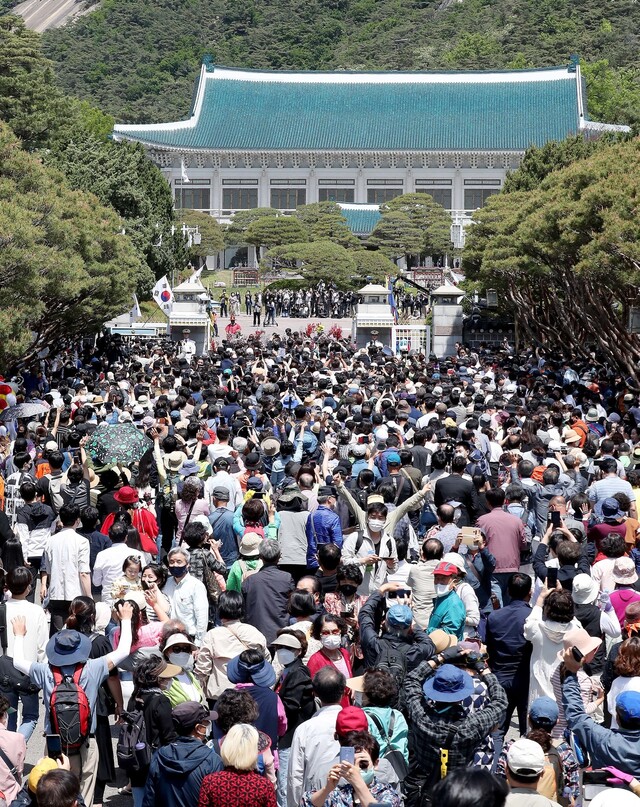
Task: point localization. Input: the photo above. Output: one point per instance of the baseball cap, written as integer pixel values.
(399, 616)
(38, 771)
(446, 569)
(351, 718)
(628, 705)
(544, 712)
(220, 493)
(186, 716)
(526, 758)
(393, 458)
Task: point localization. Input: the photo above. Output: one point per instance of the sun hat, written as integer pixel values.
(249, 544)
(544, 712)
(41, 767)
(270, 447)
(67, 648)
(592, 415)
(624, 572)
(608, 509)
(614, 797)
(287, 640)
(137, 597)
(204, 520)
(252, 461)
(441, 639)
(189, 467)
(456, 559)
(399, 616)
(578, 637)
(178, 639)
(169, 671)
(239, 444)
(446, 569)
(449, 685)
(571, 436)
(526, 758)
(356, 684)
(585, 589)
(174, 460)
(261, 674)
(126, 495)
(351, 718)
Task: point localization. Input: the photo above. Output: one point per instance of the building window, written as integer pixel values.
(336, 194)
(440, 195)
(288, 198)
(239, 199)
(484, 182)
(192, 196)
(378, 196)
(476, 197)
(397, 182)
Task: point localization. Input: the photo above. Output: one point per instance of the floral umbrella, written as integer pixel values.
(121, 443)
(28, 409)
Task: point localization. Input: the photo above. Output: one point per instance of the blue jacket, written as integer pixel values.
(509, 652)
(177, 771)
(323, 527)
(617, 747)
(222, 522)
(448, 614)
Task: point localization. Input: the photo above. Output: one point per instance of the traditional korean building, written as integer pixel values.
(282, 139)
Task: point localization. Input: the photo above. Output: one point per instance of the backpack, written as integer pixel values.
(131, 737)
(393, 658)
(70, 713)
(551, 782)
(246, 571)
(168, 493)
(394, 757)
(210, 581)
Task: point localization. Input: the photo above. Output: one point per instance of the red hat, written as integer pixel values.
(126, 495)
(446, 569)
(351, 718)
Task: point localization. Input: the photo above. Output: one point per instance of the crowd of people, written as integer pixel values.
(326, 576)
(323, 300)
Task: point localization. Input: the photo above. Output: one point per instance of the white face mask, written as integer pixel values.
(441, 589)
(331, 642)
(285, 656)
(375, 524)
(184, 660)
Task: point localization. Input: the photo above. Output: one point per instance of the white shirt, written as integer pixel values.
(108, 567)
(189, 603)
(223, 479)
(64, 560)
(312, 749)
(35, 642)
(217, 450)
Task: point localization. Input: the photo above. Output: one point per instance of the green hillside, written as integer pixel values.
(137, 59)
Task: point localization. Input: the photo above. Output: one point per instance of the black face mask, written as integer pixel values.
(348, 591)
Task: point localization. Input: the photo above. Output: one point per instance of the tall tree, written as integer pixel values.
(316, 261)
(211, 235)
(428, 216)
(65, 265)
(373, 266)
(565, 256)
(241, 220)
(270, 231)
(397, 236)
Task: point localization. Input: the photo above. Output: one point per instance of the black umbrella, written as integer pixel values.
(120, 443)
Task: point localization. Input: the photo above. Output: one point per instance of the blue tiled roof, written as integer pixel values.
(241, 110)
(361, 220)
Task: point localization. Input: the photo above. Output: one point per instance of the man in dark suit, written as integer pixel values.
(266, 593)
(454, 488)
(510, 653)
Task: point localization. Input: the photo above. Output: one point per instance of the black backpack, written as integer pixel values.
(393, 658)
(133, 733)
(394, 757)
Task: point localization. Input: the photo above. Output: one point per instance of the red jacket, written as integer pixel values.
(319, 660)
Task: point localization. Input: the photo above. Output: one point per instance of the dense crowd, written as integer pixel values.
(297, 572)
(323, 300)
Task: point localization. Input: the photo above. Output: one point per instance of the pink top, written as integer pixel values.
(148, 636)
(620, 598)
(14, 746)
(200, 508)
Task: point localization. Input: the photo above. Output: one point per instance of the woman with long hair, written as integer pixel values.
(627, 670)
(190, 504)
(139, 517)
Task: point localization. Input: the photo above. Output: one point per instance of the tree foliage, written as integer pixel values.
(316, 261)
(397, 236)
(372, 266)
(138, 60)
(273, 231)
(428, 216)
(565, 255)
(236, 231)
(65, 266)
(211, 235)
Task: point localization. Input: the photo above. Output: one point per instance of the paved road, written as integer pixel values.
(39, 15)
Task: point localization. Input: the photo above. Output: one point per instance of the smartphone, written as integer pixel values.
(469, 535)
(348, 755)
(577, 654)
(552, 577)
(54, 746)
(556, 518)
